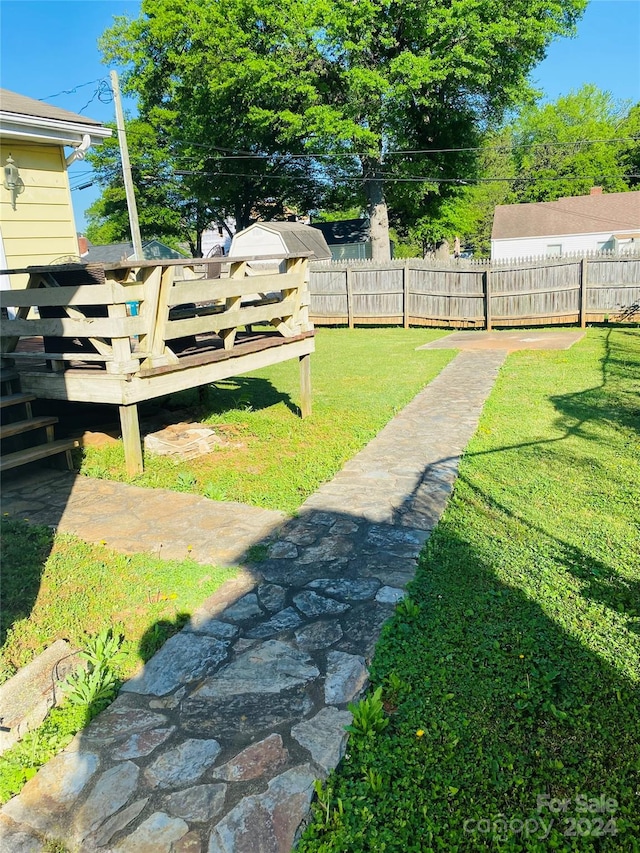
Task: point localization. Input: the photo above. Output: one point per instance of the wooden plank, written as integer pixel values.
(85, 294)
(190, 262)
(349, 285)
(207, 355)
(232, 305)
(15, 400)
(19, 427)
(583, 294)
(487, 300)
(449, 294)
(41, 355)
(121, 346)
(145, 388)
(67, 327)
(247, 315)
(405, 293)
(131, 438)
(305, 385)
(154, 313)
(33, 454)
(536, 291)
(209, 290)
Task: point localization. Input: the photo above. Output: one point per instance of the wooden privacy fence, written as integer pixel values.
(476, 295)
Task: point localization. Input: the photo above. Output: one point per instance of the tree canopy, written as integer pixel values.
(548, 151)
(275, 103)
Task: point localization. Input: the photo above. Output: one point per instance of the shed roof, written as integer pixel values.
(297, 237)
(583, 214)
(344, 231)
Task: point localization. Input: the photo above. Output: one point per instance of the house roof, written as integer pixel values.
(297, 237)
(583, 214)
(344, 231)
(22, 117)
(12, 102)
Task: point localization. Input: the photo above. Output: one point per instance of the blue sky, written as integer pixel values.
(50, 46)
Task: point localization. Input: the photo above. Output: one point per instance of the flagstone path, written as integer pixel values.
(214, 747)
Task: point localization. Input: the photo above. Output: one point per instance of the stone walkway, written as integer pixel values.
(132, 520)
(216, 744)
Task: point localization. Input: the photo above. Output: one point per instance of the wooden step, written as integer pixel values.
(19, 427)
(33, 454)
(16, 400)
(8, 374)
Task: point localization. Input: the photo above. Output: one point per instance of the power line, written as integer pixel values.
(232, 154)
(72, 91)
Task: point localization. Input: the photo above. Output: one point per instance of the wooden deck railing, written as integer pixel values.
(134, 319)
(128, 315)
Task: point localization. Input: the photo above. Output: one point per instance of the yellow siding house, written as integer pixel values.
(36, 215)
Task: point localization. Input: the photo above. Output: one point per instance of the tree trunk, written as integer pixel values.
(377, 210)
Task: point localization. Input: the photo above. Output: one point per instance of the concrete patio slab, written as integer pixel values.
(509, 341)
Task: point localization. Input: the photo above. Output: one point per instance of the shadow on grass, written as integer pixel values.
(620, 363)
(493, 704)
(243, 392)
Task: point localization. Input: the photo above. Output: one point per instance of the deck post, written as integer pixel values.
(131, 439)
(305, 385)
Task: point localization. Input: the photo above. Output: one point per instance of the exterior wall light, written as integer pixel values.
(12, 180)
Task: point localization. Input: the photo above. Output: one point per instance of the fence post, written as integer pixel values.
(583, 293)
(487, 299)
(405, 293)
(349, 299)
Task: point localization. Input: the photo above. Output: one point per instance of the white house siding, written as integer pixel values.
(524, 247)
(213, 240)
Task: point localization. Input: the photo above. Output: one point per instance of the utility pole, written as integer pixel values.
(126, 168)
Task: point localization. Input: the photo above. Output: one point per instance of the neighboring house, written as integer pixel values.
(217, 240)
(348, 239)
(36, 215)
(586, 223)
(113, 253)
(273, 238)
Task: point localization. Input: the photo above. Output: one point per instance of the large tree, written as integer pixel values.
(562, 148)
(352, 82)
(548, 151)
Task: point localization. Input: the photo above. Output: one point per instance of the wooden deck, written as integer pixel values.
(125, 334)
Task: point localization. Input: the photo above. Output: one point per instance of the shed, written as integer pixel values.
(347, 239)
(278, 238)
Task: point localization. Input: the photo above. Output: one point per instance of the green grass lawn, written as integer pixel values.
(59, 587)
(360, 379)
(515, 673)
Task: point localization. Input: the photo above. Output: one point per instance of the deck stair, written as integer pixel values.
(24, 437)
